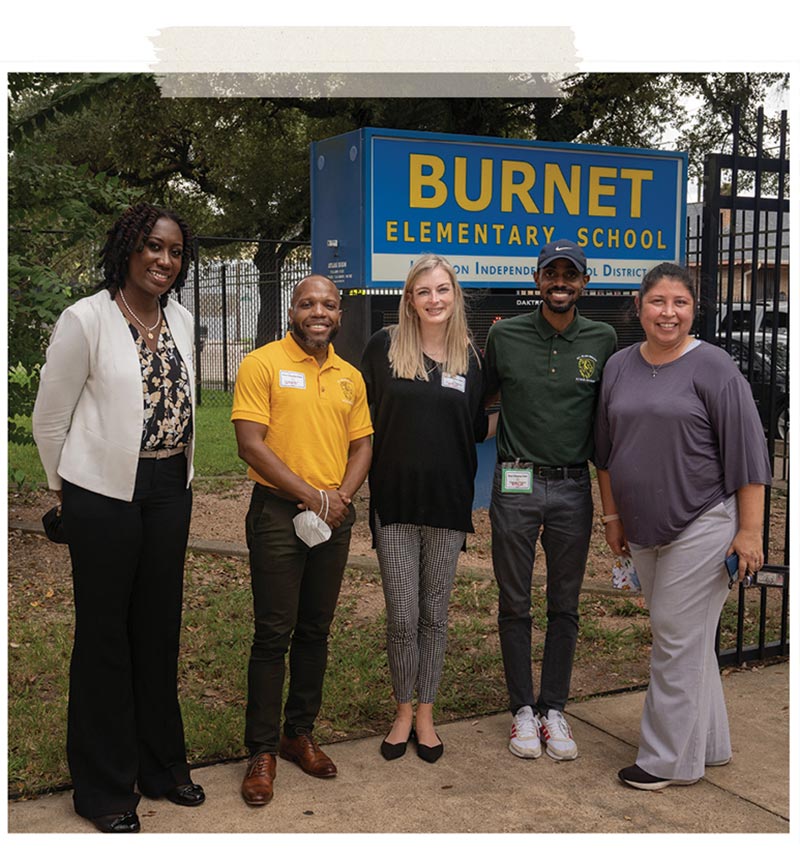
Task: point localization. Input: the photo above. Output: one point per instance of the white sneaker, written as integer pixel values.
(524, 741)
(557, 736)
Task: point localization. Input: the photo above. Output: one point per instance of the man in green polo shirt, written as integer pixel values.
(546, 367)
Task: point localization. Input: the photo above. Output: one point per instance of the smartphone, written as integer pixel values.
(732, 565)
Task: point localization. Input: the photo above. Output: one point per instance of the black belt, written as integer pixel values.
(550, 472)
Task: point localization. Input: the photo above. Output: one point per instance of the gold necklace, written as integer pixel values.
(149, 329)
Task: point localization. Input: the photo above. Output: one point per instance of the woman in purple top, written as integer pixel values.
(681, 463)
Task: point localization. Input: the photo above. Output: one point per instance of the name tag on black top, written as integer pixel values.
(454, 382)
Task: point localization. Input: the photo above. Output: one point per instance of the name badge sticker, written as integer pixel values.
(288, 378)
(517, 481)
(455, 382)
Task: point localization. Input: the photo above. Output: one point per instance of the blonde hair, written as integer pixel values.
(405, 350)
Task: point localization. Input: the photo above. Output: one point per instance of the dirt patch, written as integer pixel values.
(39, 572)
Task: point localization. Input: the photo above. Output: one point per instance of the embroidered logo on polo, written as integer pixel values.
(348, 390)
(587, 368)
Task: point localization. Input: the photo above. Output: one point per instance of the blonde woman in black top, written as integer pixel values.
(424, 381)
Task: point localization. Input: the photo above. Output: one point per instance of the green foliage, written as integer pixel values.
(56, 215)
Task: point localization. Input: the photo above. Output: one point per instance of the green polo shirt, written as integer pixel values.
(548, 382)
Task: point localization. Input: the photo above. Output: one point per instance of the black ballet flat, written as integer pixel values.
(187, 795)
(394, 752)
(430, 753)
(118, 823)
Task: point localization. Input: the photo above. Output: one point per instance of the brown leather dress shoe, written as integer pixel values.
(304, 751)
(257, 783)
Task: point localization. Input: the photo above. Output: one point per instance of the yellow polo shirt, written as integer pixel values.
(313, 412)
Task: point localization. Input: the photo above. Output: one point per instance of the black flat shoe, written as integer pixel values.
(118, 823)
(430, 754)
(394, 752)
(187, 795)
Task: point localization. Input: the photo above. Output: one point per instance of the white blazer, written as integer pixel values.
(89, 411)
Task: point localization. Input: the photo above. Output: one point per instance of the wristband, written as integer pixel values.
(606, 518)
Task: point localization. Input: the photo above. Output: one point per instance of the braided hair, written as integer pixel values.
(128, 235)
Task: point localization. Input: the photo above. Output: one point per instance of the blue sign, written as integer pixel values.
(489, 205)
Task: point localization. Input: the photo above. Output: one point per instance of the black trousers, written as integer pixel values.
(295, 590)
(124, 721)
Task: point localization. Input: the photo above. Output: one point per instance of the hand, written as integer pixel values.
(60, 495)
(615, 537)
(337, 507)
(747, 544)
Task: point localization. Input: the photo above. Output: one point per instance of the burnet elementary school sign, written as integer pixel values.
(380, 198)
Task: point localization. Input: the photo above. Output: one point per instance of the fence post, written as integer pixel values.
(198, 381)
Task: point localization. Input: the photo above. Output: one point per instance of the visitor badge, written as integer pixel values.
(288, 378)
(517, 481)
(455, 382)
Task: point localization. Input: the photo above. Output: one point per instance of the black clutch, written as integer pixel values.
(54, 526)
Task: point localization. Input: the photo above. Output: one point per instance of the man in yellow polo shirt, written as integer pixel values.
(303, 427)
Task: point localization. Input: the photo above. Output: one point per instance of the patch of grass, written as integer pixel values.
(24, 468)
(215, 452)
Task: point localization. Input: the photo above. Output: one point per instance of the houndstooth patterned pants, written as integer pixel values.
(418, 566)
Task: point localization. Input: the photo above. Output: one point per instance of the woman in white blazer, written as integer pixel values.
(114, 426)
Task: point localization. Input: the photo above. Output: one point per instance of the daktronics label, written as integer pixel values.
(489, 205)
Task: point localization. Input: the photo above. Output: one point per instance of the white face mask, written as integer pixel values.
(310, 526)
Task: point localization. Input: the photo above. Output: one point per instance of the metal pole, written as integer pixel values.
(198, 382)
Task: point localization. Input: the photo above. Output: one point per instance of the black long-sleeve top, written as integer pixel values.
(424, 458)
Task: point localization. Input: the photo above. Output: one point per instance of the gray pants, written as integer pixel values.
(562, 510)
(685, 723)
(418, 566)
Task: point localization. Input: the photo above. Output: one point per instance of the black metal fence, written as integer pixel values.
(741, 240)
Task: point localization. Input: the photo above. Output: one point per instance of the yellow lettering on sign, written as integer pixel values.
(548, 231)
(597, 237)
(613, 238)
(417, 180)
(407, 236)
(510, 188)
(482, 233)
(660, 241)
(597, 189)
(530, 234)
(444, 231)
(463, 233)
(424, 230)
(514, 236)
(391, 230)
(570, 193)
(636, 177)
(583, 236)
(460, 186)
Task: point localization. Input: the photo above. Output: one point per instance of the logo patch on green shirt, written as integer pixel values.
(587, 367)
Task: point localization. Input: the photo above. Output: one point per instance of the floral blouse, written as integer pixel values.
(167, 398)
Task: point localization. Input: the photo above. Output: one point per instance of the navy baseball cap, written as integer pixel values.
(562, 250)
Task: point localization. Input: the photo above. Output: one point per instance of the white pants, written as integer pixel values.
(685, 723)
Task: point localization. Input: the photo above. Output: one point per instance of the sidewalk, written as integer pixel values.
(478, 786)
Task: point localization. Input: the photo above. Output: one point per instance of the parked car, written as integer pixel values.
(762, 315)
(775, 419)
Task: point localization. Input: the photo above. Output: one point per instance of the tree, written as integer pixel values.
(83, 146)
